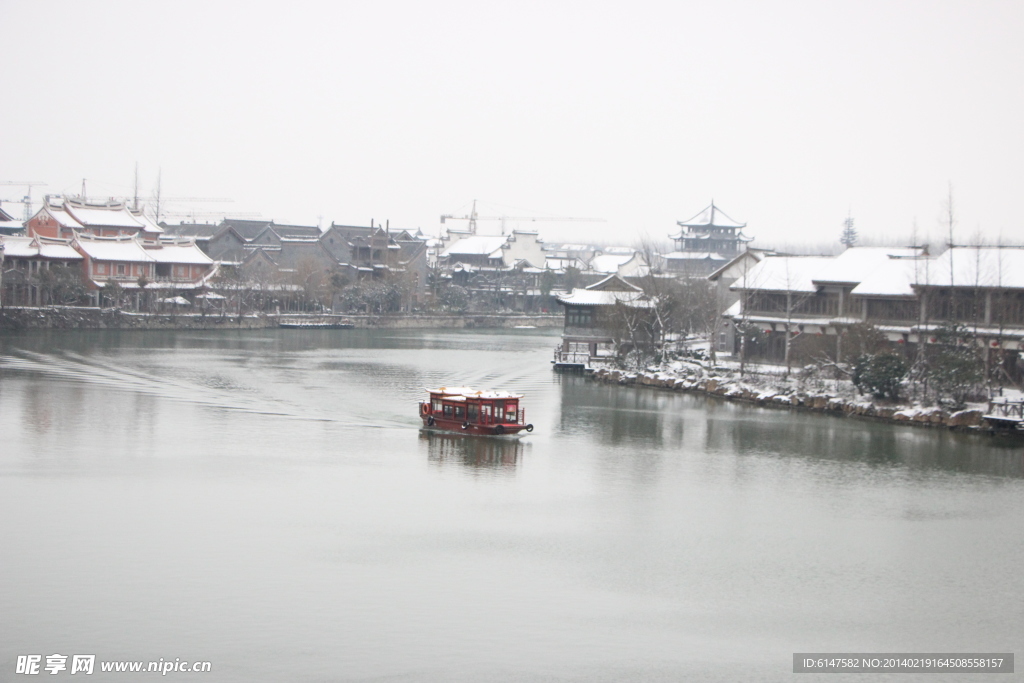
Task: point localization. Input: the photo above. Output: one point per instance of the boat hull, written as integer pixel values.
(501, 429)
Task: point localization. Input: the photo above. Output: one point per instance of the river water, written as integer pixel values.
(264, 500)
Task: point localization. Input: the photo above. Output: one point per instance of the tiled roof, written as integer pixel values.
(711, 216)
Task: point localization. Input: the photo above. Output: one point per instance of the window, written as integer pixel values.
(578, 317)
(473, 412)
(120, 269)
(435, 406)
(447, 410)
(459, 412)
(510, 412)
(883, 309)
(499, 412)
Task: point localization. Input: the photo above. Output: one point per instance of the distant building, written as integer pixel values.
(725, 297)
(221, 242)
(593, 331)
(495, 252)
(9, 225)
(905, 293)
(24, 260)
(64, 217)
(705, 243)
(134, 264)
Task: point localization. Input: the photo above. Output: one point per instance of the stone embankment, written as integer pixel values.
(794, 399)
(464, 321)
(82, 318)
(74, 317)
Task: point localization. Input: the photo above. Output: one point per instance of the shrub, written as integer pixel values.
(880, 374)
(955, 367)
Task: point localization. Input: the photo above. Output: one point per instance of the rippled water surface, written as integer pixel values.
(265, 501)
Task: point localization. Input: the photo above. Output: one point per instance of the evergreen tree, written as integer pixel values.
(849, 236)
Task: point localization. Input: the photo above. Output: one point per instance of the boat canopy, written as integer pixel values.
(456, 393)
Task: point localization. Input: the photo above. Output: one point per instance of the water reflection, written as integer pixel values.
(641, 416)
(270, 340)
(472, 451)
(614, 414)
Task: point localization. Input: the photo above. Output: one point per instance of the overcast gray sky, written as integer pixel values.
(788, 113)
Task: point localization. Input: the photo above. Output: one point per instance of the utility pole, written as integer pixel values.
(156, 218)
(135, 202)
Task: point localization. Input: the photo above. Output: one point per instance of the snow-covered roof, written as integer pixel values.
(132, 249)
(469, 392)
(977, 267)
(737, 266)
(711, 216)
(858, 263)
(609, 263)
(608, 292)
(476, 245)
(184, 251)
(113, 248)
(894, 277)
(147, 223)
(113, 214)
(63, 218)
(691, 255)
(785, 274)
(560, 262)
(39, 247)
(588, 297)
(570, 247)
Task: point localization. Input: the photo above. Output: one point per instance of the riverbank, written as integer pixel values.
(15, 319)
(693, 377)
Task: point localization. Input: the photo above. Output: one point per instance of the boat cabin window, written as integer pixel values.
(435, 405)
(447, 409)
(458, 412)
(472, 412)
(510, 412)
(499, 412)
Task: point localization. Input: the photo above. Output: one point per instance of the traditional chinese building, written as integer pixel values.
(135, 265)
(34, 267)
(705, 243)
(904, 293)
(64, 217)
(597, 319)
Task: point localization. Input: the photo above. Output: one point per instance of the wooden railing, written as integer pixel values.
(576, 357)
(1004, 408)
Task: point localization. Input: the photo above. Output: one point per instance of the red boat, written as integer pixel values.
(481, 413)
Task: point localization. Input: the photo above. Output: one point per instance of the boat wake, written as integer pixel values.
(214, 393)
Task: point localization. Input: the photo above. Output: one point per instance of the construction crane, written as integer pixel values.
(473, 217)
(157, 199)
(210, 214)
(26, 201)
